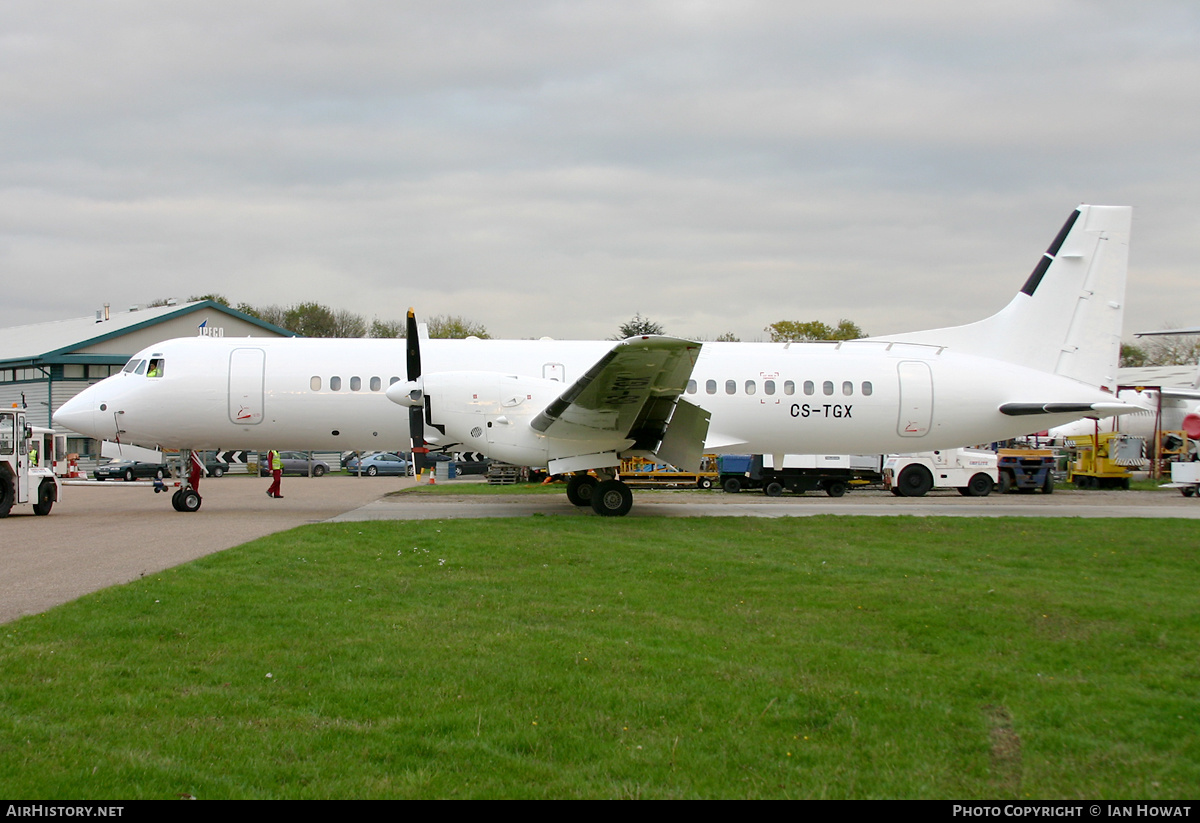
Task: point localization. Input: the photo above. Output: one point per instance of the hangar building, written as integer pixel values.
(46, 364)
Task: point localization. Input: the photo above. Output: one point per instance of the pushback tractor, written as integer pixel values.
(28, 455)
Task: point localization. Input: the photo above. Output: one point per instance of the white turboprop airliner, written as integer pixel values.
(1048, 357)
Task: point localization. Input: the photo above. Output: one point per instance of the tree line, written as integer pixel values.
(318, 320)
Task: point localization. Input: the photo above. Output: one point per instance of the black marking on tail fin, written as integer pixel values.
(1040, 270)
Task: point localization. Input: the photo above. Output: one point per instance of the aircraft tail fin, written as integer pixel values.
(1067, 317)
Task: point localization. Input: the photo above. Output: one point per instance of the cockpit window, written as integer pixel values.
(133, 364)
(141, 367)
(156, 367)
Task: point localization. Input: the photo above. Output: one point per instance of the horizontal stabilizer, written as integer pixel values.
(1083, 409)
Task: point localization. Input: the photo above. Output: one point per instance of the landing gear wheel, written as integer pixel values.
(175, 498)
(773, 489)
(980, 485)
(189, 501)
(835, 489)
(914, 481)
(580, 488)
(8, 493)
(612, 498)
(45, 498)
(704, 482)
(732, 485)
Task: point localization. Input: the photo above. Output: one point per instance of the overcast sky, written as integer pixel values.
(551, 168)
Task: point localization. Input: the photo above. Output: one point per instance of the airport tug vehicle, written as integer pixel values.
(28, 458)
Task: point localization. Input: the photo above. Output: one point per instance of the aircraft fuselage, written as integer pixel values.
(852, 397)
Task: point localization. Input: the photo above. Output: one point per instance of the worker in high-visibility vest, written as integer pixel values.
(276, 464)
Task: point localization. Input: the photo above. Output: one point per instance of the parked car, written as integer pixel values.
(130, 470)
(215, 467)
(379, 463)
(294, 463)
(473, 466)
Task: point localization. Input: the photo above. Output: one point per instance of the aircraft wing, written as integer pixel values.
(632, 393)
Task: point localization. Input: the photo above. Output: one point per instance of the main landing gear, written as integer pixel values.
(607, 496)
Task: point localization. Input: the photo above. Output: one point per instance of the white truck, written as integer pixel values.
(1186, 478)
(972, 471)
(28, 457)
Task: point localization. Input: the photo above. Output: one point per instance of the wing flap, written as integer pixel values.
(631, 391)
(630, 394)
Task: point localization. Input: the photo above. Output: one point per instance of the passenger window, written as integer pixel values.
(691, 387)
(750, 387)
(731, 387)
(809, 388)
(827, 387)
(314, 383)
(376, 384)
(789, 387)
(867, 388)
(710, 386)
(847, 388)
(335, 384)
(355, 384)
(392, 380)
(768, 386)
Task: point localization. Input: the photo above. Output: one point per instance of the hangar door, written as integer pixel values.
(916, 398)
(246, 370)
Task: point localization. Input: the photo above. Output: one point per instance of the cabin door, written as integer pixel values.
(246, 374)
(916, 399)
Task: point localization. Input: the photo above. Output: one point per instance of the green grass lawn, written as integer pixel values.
(656, 658)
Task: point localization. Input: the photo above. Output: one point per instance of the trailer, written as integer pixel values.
(972, 472)
(29, 456)
(835, 474)
(639, 471)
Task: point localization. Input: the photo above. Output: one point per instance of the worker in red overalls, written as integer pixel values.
(276, 464)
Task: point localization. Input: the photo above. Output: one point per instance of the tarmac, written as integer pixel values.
(104, 534)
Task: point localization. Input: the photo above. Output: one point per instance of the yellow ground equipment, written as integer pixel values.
(637, 471)
(1104, 460)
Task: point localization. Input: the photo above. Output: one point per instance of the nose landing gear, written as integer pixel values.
(187, 498)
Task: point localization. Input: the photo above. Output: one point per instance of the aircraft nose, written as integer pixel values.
(78, 414)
